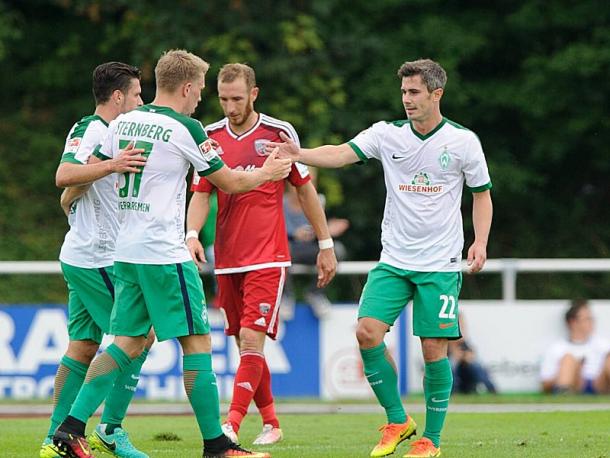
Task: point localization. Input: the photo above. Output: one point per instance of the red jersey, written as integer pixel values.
(250, 227)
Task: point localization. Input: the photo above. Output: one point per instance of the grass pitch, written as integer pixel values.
(552, 434)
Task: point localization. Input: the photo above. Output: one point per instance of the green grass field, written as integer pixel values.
(558, 434)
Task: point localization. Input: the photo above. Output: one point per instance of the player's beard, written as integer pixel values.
(241, 120)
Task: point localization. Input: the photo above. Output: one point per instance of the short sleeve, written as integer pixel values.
(299, 174)
(367, 144)
(201, 184)
(475, 167)
(104, 150)
(199, 150)
(80, 143)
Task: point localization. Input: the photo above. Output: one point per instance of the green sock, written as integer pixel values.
(201, 389)
(438, 381)
(68, 380)
(100, 379)
(381, 374)
(122, 392)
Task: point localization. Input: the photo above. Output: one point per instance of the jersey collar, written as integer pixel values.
(246, 133)
(429, 134)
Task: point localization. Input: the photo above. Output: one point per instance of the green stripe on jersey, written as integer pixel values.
(194, 127)
(399, 123)
(482, 188)
(81, 126)
(215, 164)
(71, 158)
(358, 151)
(97, 153)
(455, 124)
(429, 134)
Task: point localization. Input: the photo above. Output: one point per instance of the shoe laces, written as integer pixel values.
(422, 444)
(239, 451)
(122, 439)
(389, 430)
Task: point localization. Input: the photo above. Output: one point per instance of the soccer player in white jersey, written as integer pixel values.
(87, 255)
(426, 159)
(251, 243)
(157, 282)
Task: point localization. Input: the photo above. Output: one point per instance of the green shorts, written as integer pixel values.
(90, 298)
(434, 294)
(166, 296)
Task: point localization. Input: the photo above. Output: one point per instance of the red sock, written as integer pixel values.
(263, 398)
(247, 380)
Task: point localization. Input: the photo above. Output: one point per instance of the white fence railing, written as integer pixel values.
(508, 268)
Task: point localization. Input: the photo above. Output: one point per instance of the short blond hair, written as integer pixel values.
(178, 66)
(230, 72)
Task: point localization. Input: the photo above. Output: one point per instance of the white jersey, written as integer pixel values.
(93, 220)
(424, 176)
(593, 352)
(152, 203)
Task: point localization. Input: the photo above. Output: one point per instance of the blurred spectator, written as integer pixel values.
(580, 363)
(304, 250)
(469, 376)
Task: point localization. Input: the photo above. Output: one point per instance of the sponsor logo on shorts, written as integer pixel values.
(264, 308)
(446, 325)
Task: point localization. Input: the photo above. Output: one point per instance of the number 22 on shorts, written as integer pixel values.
(448, 302)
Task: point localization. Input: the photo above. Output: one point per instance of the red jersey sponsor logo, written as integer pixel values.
(259, 146)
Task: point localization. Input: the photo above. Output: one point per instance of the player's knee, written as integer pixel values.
(251, 340)
(198, 343)
(82, 350)
(367, 337)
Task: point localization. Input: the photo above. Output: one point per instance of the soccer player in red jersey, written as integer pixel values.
(251, 247)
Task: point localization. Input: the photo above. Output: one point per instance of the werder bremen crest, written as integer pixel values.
(421, 178)
(444, 159)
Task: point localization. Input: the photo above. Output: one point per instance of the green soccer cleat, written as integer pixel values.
(49, 450)
(116, 444)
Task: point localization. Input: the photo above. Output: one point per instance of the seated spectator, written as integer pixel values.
(304, 250)
(579, 363)
(469, 376)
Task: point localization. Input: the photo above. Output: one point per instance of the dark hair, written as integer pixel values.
(575, 307)
(432, 74)
(111, 76)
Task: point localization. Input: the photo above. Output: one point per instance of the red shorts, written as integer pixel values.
(251, 300)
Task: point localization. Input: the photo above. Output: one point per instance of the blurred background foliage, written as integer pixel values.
(529, 77)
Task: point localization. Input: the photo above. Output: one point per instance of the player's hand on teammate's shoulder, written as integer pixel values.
(287, 149)
(276, 167)
(128, 160)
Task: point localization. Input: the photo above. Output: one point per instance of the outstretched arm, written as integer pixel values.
(327, 156)
(237, 181)
(312, 208)
(482, 211)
